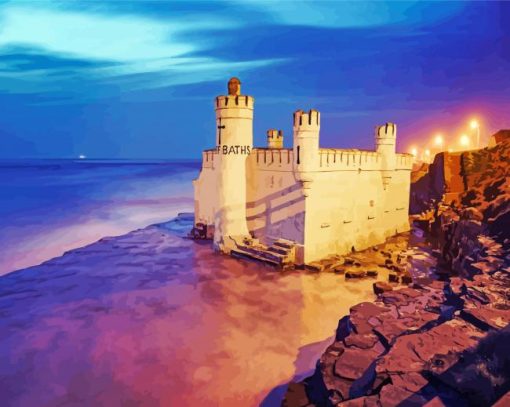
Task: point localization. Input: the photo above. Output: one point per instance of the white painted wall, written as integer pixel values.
(328, 203)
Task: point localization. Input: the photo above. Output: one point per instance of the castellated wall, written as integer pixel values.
(275, 202)
(327, 201)
(206, 188)
(350, 204)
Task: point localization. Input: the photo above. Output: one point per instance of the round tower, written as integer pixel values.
(385, 142)
(306, 145)
(234, 141)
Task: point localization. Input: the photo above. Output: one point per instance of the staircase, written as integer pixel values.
(281, 254)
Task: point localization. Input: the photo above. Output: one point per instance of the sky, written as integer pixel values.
(120, 79)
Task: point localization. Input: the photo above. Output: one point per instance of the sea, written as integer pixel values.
(48, 207)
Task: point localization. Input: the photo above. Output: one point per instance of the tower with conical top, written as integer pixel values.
(234, 141)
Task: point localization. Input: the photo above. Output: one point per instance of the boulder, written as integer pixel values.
(393, 278)
(355, 274)
(472, 214)
(406, 279)
(315, 266)
(381, 287)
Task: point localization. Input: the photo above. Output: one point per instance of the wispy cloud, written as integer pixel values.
(127, 50)
(350, 14)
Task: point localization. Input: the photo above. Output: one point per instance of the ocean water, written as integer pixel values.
(48, 207)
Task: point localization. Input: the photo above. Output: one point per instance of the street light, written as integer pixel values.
(464, 140)
(438, 141)
(476, 126)
(414, 151)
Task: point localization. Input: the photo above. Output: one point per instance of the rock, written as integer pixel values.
(393, 278)
(486, 317)
(397, 269)
(503, 401)
(360, 315)
(355, 361)
(366, 401)
(381, 287)
(406, 279)
(472, 214)
(355, 274)
(478, 372)
(337, 265)
(296, 396)
(362, 341)
(315, 266)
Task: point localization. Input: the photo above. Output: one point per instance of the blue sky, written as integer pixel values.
(126, 79)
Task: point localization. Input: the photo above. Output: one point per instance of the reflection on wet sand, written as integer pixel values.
(150, 318)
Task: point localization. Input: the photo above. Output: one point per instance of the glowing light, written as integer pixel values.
(81, 157)
(414, 151)
(438, 140)
(464, 140)
(427, 152)
(450, 150)
(474, 124)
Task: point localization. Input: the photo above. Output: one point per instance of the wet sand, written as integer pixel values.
(151, 318)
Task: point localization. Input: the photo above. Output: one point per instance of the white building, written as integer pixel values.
(303, 203)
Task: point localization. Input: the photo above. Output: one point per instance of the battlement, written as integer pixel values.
(387, 132)
(405, 161)
(307, 120)
(274, 138)
(272, 158)
(360, 160)
(327, 200)
(209, 158)
(234, 102)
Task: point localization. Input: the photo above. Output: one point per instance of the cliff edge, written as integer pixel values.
(442, 343)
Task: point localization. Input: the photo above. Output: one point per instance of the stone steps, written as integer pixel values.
(280, 254)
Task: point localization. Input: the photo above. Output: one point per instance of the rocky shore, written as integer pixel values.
(437, 342)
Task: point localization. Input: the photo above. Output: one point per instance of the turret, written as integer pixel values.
(385, 141)
(274, 138)
(234, 141)
(306, 145)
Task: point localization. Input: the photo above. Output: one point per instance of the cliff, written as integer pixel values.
(443, 342)
(477, 178)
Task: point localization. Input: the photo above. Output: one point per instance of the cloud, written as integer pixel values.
(350, 14)
(43, 45)
(93, 36)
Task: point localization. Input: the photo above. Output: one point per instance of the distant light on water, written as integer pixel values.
(82, 157)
